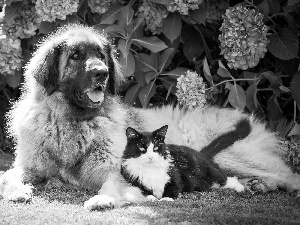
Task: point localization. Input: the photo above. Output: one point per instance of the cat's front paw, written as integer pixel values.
(99, 202)
(151, 198)
(167, 199)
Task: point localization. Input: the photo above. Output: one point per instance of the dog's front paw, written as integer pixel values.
(99, 202)
(21, 194)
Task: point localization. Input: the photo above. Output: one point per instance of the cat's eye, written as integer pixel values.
(155, 148)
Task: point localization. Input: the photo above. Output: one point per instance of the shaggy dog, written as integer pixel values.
(70, 125)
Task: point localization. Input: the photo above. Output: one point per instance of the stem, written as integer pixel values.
(6, 94)
(234, 80)
(295, 110)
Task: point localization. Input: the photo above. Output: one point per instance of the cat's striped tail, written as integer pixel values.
(241, 131)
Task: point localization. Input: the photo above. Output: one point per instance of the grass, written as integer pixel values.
(216, 207)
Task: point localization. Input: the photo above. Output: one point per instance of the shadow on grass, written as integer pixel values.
(216, 207)
(65, 206)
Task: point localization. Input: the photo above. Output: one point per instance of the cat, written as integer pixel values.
(165, 170)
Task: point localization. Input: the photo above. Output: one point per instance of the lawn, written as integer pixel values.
(216, 207)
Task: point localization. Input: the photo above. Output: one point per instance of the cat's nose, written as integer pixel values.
(150, 158)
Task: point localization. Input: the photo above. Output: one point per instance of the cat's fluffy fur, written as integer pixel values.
(59, 132)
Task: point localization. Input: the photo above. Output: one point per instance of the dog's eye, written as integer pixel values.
(74, 56)
(100, 54)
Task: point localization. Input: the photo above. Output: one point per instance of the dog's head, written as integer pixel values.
(79, 62)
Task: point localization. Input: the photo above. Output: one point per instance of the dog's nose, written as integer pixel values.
(96, 67)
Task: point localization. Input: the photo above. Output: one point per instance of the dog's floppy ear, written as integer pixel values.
(46, 71)
(115, 75)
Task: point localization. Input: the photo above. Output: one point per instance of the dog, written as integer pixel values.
(69, 124)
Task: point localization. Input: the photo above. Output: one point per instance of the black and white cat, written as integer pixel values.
(164, 170)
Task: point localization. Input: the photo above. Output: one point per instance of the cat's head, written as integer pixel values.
(147, 145)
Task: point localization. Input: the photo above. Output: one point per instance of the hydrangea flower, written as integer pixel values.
(183, 6)
(215, 9)
(243, 38)
(153, 15)
(99, 6)
(25, 23)
(50, 10)
(191, 90)
(10, 55)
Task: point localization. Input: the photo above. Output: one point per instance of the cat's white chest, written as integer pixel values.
(153, 173)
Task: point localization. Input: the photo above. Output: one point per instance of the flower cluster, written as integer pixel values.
(191, 90)
(153, 14)
(10, 54)
(183, 6)
(215, 9)
(100, 6)
(292, 150)
(25, 23)
(243, 38)
(50, 10)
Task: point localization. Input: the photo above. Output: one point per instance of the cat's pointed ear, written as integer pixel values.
(131, 133)
(162, 131)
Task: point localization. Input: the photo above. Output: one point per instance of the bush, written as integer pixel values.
(245, 53)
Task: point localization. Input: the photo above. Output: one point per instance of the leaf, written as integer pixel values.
(11, 11)
(147, 63)
(150, 76)
(146, 93)
(222, 71)
(165, 59)
(206, 72)
(115, 29)
(251, 98)
(264, 8)
(175, 73)
(199, 14)
(132, 94)
(293, 2)
(171, 26)
(127, 65)
(162, 2)
(284, 44)
(111, 15)
(139, 76)
(274, 111)
(237, 97)
(46, 27)
(193, 48)
(273, 78)
(295, 130)
(14, 80)
(126, 15)
(124, 46)
(295, 84)
(170, 84)
(251, 75)
(153, 43)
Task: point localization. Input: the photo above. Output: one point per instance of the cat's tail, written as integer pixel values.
(241, 131)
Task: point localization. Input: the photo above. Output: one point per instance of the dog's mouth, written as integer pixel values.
(94, 96)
